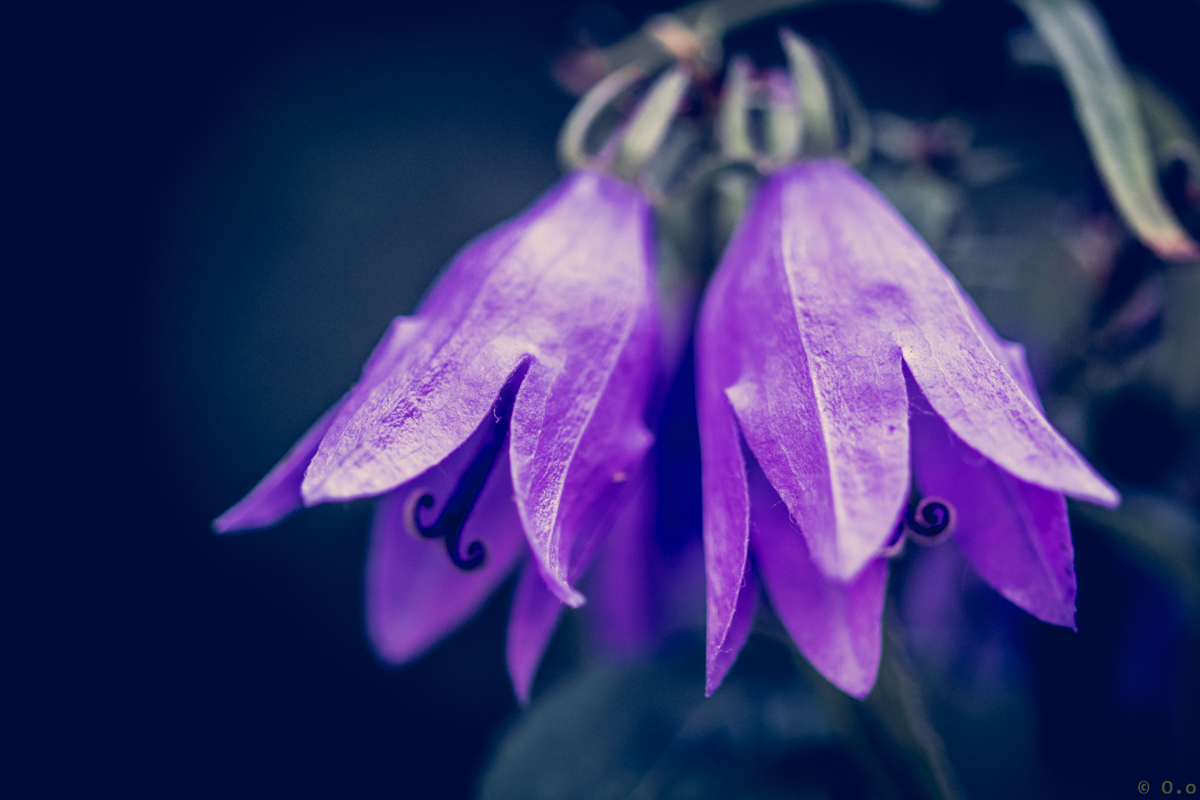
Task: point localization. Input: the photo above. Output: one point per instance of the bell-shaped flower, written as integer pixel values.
(840, 365)
(504, 419)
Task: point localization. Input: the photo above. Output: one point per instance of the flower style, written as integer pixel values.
(504, 418)
(838, 361)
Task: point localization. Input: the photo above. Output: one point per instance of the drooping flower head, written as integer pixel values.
(839, 364)
(502, 419)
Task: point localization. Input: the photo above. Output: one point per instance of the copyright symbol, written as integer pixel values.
(1144, 787)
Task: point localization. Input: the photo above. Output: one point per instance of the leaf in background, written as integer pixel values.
(1177, 149)
(1159, 533)
(593, 735)
(1171, 132)
(772, 730)
(1176, 361)
(892, 725)
(1107, 110)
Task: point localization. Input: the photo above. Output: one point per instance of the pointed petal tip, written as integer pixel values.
(315, 491)
(714, 670)
(532, 620)
(250, 517)
(1061, 614)
(725, 645)
(1110, 498)
(1062, 618)
(558, 585)
(843, 564)
(855, 679)
(311, 493)
(342, 486)
(1096, 491)
(224, 525)
(393, 647)
(388, 653)
(568, 595)
(859, 689)
(522, 684)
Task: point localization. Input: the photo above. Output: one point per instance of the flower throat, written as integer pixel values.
(450, 523)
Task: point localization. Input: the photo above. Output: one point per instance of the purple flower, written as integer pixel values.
(833, 352)
(503, 419)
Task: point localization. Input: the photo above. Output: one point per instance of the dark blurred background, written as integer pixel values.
(212, 212)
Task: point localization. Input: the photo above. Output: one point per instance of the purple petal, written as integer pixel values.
(278, 494)
(836, 624)
(441, 386)
(1011, 355)
(396, 341)
(920, 308)
(624, 611)
(727, 652)
(726, 500)
(567, 292)
(820, 393)
(1015, 534)
(589, 318)
(531, 623)
(414, 594)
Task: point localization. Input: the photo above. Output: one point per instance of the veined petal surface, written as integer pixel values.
(920, 309)
(819, 395)
(725, 496)
(1016, 535)
(278, 494)
(531, 622)
(435, 392)
(566, 293)
(723, 658)
(625, 608)
(836, 624)
(578, 428)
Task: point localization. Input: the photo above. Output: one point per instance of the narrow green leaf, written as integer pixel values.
(895, 712)
(572, 140)
(818, 131)
(890, 729)
(784, 127)
(650, 123)
(733, 129)
(1159, 534)
(858, 123)
(1108, 113)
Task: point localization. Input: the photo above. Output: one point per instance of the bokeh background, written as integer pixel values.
(214, 209)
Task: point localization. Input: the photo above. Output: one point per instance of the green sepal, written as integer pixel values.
(650, 123)
(818, 135)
